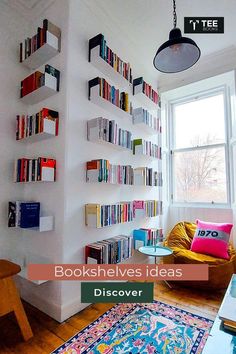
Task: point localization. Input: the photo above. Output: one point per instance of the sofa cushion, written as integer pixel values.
(212, 239)
(190, 257)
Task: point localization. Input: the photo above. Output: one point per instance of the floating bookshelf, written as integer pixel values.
(144, 94)
(26, 215)
(42, 47)
(99, 216)
(146, 148)
(41, 169)
(96, 98)
(48, 89)
(102, 171)
(42, 55)
(113, 250)
(104, 131)
(37, 127)
(109, 63)
(148, 122)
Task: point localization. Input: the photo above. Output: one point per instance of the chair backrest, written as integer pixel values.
(181, 235)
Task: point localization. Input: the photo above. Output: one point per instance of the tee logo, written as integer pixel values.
(204, 24)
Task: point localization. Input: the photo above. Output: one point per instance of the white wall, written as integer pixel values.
(85, 22)
(17, 244)
(12, 29)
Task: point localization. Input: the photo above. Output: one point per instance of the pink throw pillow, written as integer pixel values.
(212, 239)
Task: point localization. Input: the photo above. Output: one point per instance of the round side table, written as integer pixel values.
(157, 252)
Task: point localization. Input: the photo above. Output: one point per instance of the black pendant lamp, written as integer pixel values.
(178, 53)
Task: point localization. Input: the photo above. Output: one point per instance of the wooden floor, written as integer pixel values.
(49, 334)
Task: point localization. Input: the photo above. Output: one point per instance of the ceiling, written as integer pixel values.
(146, 23)
(29, 8)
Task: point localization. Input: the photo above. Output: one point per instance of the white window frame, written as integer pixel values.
(224, 83)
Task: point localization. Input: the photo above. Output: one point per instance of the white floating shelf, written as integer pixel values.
(141, 98)
(113, 75)
(43, 92)
(113, 146)
(46, 223)
(107, 105)
(23, 274)
(43, 54)
(37, 137)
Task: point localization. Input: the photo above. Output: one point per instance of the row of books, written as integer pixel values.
(111, 251)
(145, 147)
(108, 130)
(147, 237)
(139, 85)
(97, 215)
(23, 214)
(49, 33)
(145, 176)
(39, 79)
(110, 57)
(101, 170)
(141, 115)
(45, 121)
(147, 208)
(111, 94)
(32, 170)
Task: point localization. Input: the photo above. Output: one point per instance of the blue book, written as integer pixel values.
(29, 214)
(140, 238)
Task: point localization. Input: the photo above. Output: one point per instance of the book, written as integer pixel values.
(12, 214)
(140, 238)
(29, 214)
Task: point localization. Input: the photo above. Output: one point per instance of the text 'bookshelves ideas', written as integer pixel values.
(117, 100)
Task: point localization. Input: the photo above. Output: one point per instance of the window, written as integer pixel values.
(198, 144)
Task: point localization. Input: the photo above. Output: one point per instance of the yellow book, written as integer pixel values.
(126, 102)
(92, 215)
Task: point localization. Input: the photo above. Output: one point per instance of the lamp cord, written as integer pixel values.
(174, 14)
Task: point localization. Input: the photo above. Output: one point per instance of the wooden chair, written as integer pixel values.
(10, 299)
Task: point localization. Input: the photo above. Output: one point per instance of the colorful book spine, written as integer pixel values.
(110, 251)
(111, 94)
(32, 170)
(139, 85)
(49, 33)
(45, 121)
(110, 57)
(144, 147)
(107, 130)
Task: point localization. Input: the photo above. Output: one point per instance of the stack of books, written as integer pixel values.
(45, 121)
(23, 214)
(32, 170)
(111, 94)
(139, 85)
(110, 57)
(107, 130)
(97, 215)
(51, 77)
(111, 251)
(145, 176)
(49, 34)
(102, 171)
(145, 147)
(141, 115)
(147, 237)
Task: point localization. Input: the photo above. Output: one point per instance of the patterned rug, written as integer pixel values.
(141, 328)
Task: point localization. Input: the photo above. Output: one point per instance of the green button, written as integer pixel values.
(116, 292)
